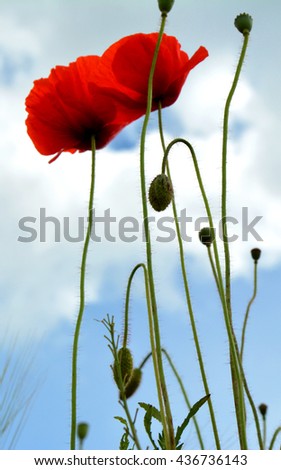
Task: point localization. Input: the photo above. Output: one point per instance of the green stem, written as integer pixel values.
(239, 360)
(236, 378)
(151, 328)
(229, 328)
(185, 396)
(188, 298)
(82, 304)
(248, 311)
(274, 437)
(113, 346)
(215, 274)
(193, 325)
(189, 406)
(203, 193)
(167, 417)
(127, 303)
(224, 168)
(154, 349)
(264, 432)
(129, 418)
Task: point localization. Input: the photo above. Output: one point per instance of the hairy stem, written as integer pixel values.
(248, 311)
(188, 299)
(236, 378)
(82, 305)
(167, 416)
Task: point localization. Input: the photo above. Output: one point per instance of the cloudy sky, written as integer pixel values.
(39, 281)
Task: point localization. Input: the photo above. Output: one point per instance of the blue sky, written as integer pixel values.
(39, 280)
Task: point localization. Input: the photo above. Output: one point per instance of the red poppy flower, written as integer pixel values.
(72, 104)
(130, 61)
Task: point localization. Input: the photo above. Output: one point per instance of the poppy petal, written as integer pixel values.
(130, 61)
(68, 107)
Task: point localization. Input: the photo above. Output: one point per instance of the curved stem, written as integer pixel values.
(236, 364)
(82, 304)
(203, 193)
(193, 325)
(274, 437)
(167, 417)
(127, 302)
(204, 197)
(248, 311)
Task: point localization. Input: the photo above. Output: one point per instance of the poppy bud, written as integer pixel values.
(243, 23)
(126, 364)
(255, 252)
(207, 236)
(263, 409)
(133, 383)
(165, 5)
(160, 192)
(82, 430)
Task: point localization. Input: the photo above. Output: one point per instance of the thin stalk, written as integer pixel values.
(127, 303)
(203, 193)
(152, 343)
(113, 346)
(129, 418)
(274, 437)
(248, 311)
(150, 322)
(227, 318)
(236, 378)
(188, 299)
(245, 384)
(183, 390)
(224, 169)
(264, 431)
(214, 271)
(193, 324)
(124, 403)
(82, 304)
(167, 416)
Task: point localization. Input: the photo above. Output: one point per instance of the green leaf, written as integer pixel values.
(122, 420)
(154, 412)
(151, 412)
(161, 441)
(191, 413)
(124, 443)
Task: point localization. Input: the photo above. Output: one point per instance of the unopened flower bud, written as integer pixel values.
(165, 5)
(125, 359)
(82, 430)
(207, 236)
(263, 409)
(133, 383)
(256, 252)
(244, 23)
(160, 192)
